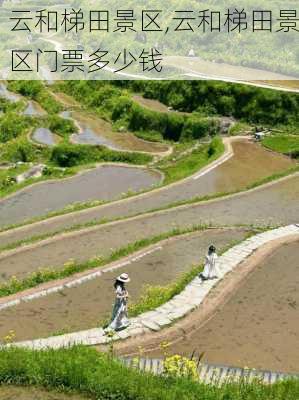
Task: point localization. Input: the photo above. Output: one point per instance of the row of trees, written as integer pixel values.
(252, 104)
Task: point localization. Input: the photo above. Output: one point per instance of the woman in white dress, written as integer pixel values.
(119, 319)
(210, 270)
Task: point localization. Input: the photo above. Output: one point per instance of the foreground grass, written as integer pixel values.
(86, 371)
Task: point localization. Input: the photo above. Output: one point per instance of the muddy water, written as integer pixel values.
(251, 162)
(273, 205)
(101, 131)
(92, 301)
(8, 95)
(104, 183)
(45, 136)
(31, 393)
(33, 109)
(88, 136)
(258, 327)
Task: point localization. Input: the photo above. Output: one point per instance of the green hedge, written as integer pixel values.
(35, 90)
(12, 125)
(86, 371)
(70, 155)
(120, 107)
(251, 104)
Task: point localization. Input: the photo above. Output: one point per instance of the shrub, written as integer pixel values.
(69, 155)
(11, 126)
(22, 150)
(60, 126)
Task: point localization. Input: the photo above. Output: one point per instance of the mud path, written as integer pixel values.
(104, 183)
(258, 326)
(32, 393)
(249, 163)
(93, 300)
(273, 204)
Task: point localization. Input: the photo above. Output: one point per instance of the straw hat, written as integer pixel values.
(123, 278)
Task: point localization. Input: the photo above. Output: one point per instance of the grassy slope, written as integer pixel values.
(282, 144)
(88, 372)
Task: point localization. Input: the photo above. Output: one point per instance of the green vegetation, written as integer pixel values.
(245, 103)
(62, 127)
(102, 377)
(12, 125)
(184, 165)
(35, 90)
(154, 296)
(70, 268)
(70, 155)
(115, 104)
(288, 145)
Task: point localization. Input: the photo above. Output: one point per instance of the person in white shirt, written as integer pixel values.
(210, 270)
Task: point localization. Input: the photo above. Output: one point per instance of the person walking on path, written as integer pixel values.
(210, 270)
(119, 319)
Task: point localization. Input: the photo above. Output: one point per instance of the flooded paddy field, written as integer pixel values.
(33, 109)
(103, 183)
(258, 326)
(32, 393)
(45, 136)
(250, 163)
(93, 300)
(261, 163)
(97, 131)
(6, 94)
(276, 204)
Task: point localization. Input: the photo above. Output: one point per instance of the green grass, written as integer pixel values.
(283, 144)
(86, 371)
(155, 296)
(70, 268)
(83, 206)
(178, 168)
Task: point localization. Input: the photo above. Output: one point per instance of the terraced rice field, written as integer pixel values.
(258, 326)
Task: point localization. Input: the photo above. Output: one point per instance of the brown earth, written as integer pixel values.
(250, 163)
(31, 393)
(92, 301)
(250, 322)
(107, 182)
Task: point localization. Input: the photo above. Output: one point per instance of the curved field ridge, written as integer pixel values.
(107, 182)
(189, 299)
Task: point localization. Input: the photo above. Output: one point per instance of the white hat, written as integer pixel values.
(123, 278)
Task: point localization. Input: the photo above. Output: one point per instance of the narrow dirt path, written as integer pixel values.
(93, 300)
(276, 203)
(32, 393)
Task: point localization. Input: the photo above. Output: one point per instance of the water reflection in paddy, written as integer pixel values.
(45, 136)
(33, 110)
(88, 136)
(7, 94)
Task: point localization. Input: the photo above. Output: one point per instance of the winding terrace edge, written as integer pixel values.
(181, 305)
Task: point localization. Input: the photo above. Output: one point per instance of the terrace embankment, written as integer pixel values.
(93, 300)
(257, 326)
